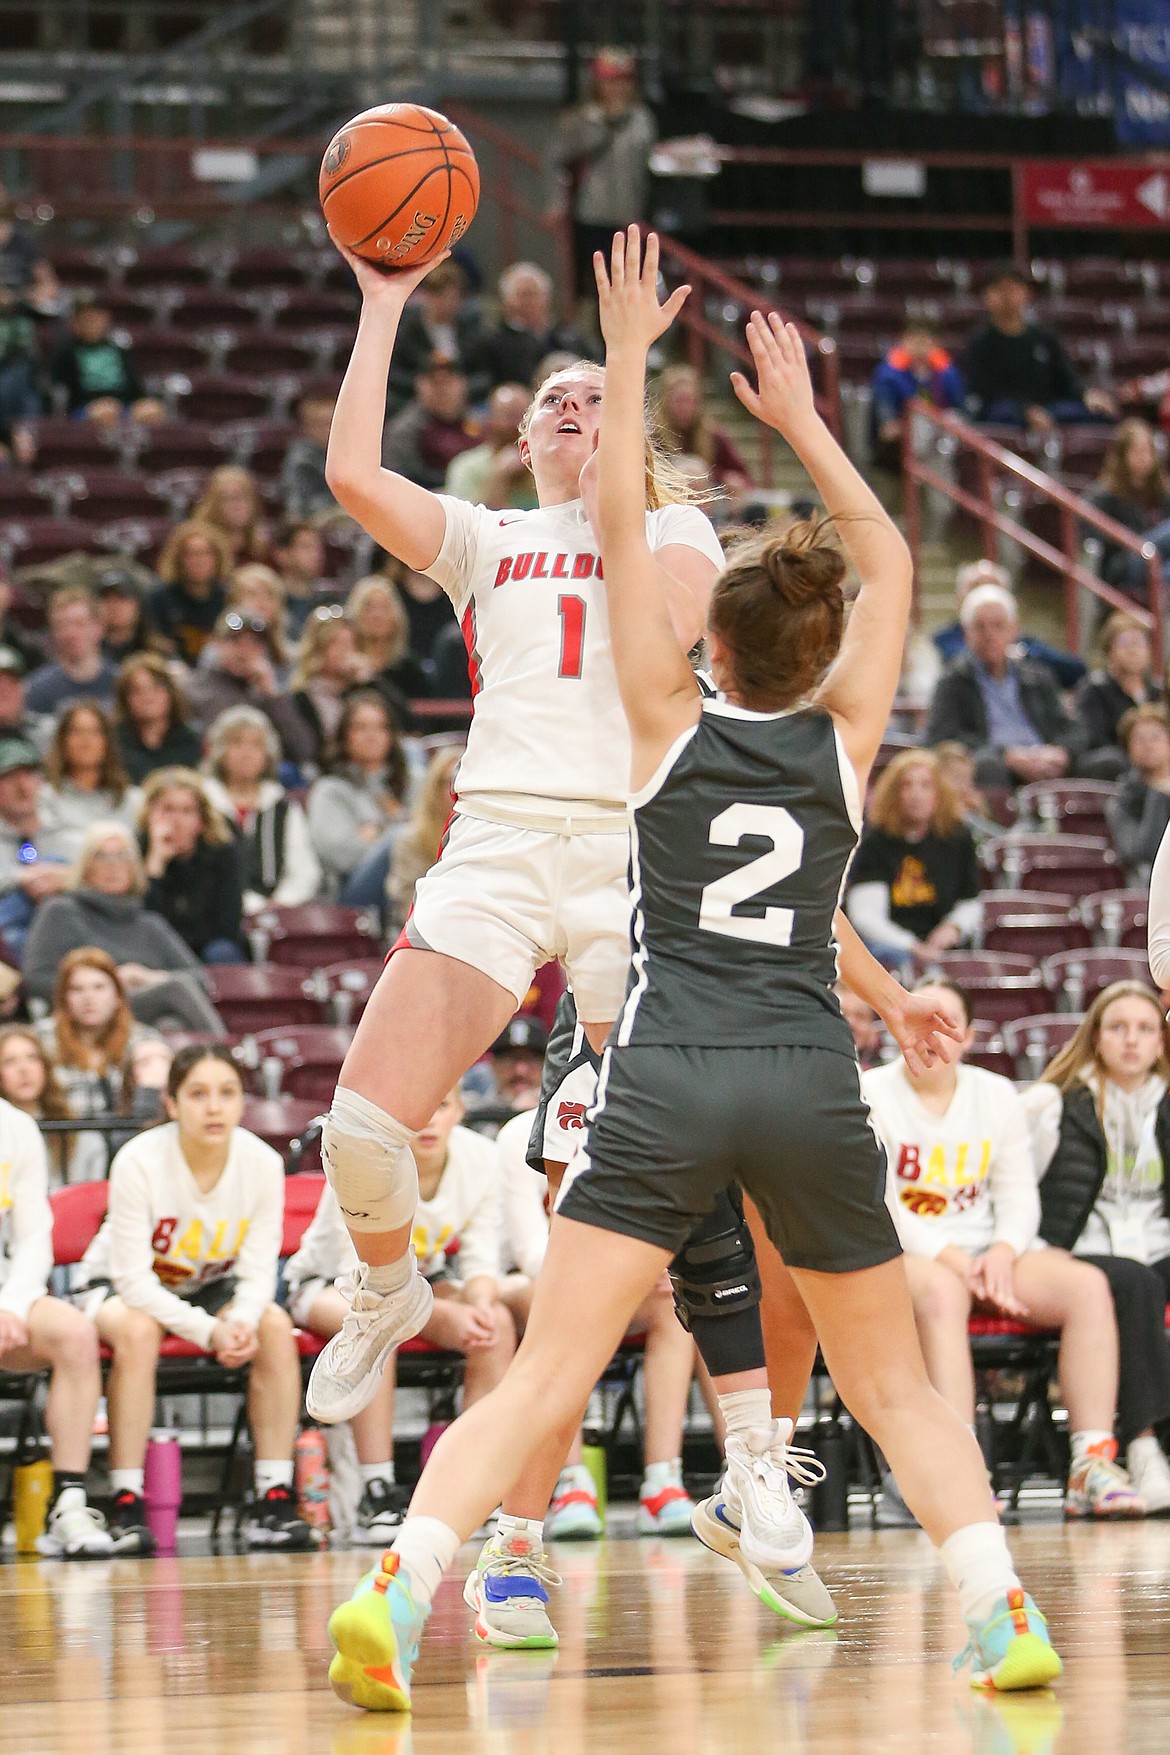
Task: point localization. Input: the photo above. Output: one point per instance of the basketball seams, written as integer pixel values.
(449, 152)
(370, 163)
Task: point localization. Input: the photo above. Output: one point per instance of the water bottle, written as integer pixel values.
(163, 1488)
(593, 1456)
(32, 1489)
(311, 1473)
(430, 1438)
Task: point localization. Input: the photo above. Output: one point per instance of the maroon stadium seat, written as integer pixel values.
(216, 397)
(317, 933)
(1032, 1042)
(61, 442)
(1000, 986)
(28, 541)
(266, 267)
(259, 998)
(1078, 976)
(349, 985)
(1074, 807)
(183, 445)
(278, 1123)
(22, 495)
(1076, 865)
(1116, 917)
(176, 266)
(988, 1050)
(1030, 923)
(101, 495)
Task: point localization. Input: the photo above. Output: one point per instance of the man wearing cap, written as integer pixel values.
(79, 670)
(125, 629)
(15, 719)
(601, 153)
(1005, 709)
(425, 437)
(440, 318)
(35, 849)
(239, 671)
(517, 1062)
(1018, 373)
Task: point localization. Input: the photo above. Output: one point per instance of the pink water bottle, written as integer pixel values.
(163, 1488)
(311, 1471)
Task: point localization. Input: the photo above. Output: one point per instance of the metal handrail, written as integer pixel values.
(1075, 511)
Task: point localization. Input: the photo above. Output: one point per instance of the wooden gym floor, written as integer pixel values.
(663, 1649)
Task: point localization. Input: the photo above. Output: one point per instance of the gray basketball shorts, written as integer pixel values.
(674, 1125)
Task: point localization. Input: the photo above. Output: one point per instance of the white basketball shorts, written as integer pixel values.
(507, 899)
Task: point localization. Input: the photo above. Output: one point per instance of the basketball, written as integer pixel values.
(399, 185)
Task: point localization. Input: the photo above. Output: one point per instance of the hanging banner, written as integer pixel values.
(1099, 193)
(1141, 58)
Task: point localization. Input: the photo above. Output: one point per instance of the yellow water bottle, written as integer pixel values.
(32, 1489)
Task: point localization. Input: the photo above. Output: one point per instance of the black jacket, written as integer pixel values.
(1076, 1174)
(957, 712)
(1102, 703)
(1118, 566)
(1033, 368)
(201, 896)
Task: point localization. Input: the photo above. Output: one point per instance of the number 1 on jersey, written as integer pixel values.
(572, 613)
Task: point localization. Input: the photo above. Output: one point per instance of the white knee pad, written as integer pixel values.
(369, 1163)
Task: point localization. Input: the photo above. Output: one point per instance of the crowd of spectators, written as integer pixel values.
(255, 720)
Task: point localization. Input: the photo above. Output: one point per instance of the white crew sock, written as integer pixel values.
(393, 1277)
(744, 1409)
(272, 1474)
(380, 1471)
(515, 1533)
(1081, 1443)
(662, 1474)
(426, 1547)
(128, 1481)
(980, 1568)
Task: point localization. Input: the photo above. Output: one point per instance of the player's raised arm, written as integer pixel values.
(658, 689)
(859, 689)
(404, 518)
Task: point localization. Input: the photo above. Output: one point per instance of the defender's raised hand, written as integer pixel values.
(784, 399)
(627, 294)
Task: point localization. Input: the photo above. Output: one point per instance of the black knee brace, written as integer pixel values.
(715, 1272)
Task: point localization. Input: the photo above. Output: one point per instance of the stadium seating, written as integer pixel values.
(1079, 976)
(1069, 865)
(250, 997)
(314, 934)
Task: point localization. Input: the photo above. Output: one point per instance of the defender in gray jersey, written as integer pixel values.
(730, 1059)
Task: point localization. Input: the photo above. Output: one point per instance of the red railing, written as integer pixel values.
(992, 461)
(512, 161)
(703, 334)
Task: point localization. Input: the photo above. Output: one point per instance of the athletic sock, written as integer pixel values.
(426, 1547)
(63, 1478)
(744, 1408)
(393, 1277)
(662, 1474)
(272, 1474)
(379, 1471)
(525, 1531)
(1084, 1442)
(980, 1568)
(128, 1481)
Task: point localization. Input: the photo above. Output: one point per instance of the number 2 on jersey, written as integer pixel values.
(572, 613)
(716, 910)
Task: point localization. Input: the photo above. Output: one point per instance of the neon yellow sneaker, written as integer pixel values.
(376, 1634)
(1011, 1648)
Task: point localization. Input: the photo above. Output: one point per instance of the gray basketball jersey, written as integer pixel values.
(739, 849)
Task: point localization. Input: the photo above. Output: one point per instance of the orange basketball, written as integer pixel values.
(399, 185)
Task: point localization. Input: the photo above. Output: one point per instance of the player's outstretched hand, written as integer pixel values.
(925, 1036)
(385, 286)
(784, 399)
(627, 293)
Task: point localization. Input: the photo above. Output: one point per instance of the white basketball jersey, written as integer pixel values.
(528, 591)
